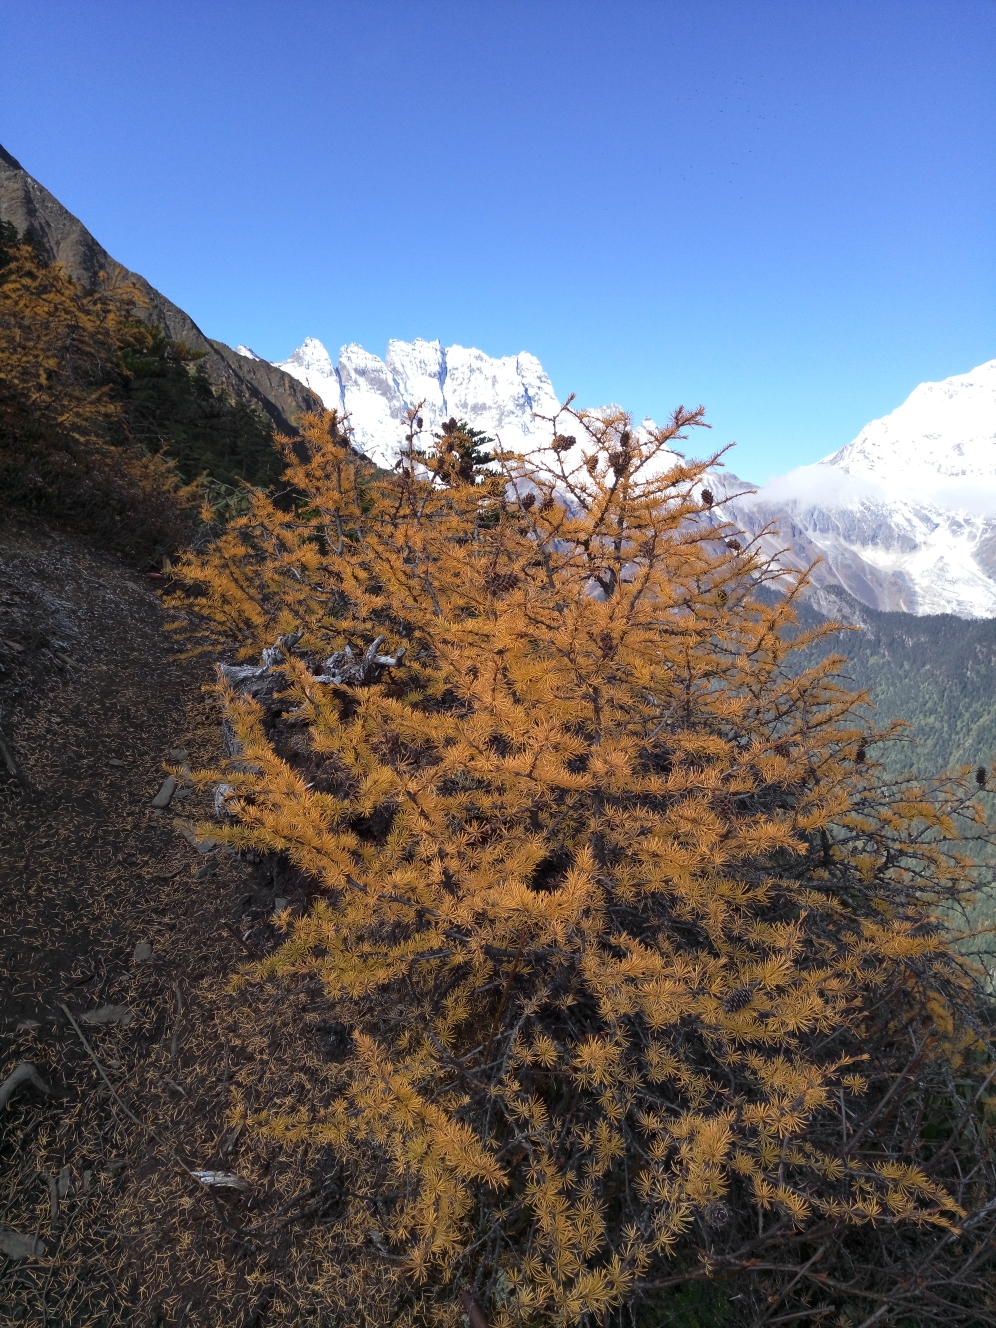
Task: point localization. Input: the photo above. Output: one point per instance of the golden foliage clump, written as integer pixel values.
(645, 963)
(64, 449)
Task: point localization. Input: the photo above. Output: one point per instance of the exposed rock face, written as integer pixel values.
(26, 203)
(503, 396)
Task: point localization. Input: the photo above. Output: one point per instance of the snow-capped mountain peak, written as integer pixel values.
(312, 365)
(501, 395)
(904, 516)
(312, 357)
(943, 431)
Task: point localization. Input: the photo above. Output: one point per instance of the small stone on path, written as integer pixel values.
(109, 1014)
(17, 1245)
(167, 873)
(143, 951)
(163, 797)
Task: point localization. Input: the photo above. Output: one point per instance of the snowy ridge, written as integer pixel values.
(905, 515)
(941, 442)
(498, 395)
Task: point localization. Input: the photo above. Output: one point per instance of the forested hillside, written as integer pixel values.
(108, 424)
(936, 672)
(60, 237)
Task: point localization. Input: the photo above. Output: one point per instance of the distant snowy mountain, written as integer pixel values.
(499, 396)
(904, 517)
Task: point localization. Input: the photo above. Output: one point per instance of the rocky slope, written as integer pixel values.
(64, 239)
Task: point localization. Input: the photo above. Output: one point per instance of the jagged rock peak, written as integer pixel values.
(501, 395)
(312, 356)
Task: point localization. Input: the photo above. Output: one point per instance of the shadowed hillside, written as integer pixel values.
(61, 237)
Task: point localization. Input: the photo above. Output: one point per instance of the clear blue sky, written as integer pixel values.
(783, 209)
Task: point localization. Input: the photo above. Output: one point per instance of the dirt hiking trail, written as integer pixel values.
(111, 915)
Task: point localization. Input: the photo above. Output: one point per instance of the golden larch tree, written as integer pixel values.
(650, 973)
